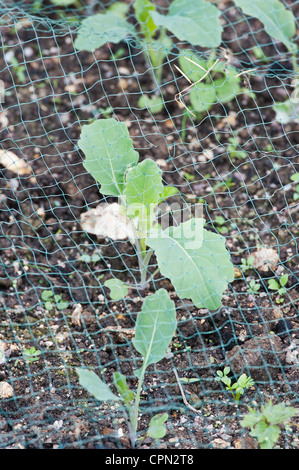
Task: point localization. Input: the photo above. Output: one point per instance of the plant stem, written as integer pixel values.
(143, 261)
(135, 408)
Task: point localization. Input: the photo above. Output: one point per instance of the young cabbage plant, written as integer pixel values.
(155, 327)
(196, 21)
(195, 260)
(211, 82)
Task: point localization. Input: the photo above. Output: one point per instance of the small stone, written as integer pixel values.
(261, 356)
(246, 442)
(220, 444)
(6, 390)
(265, 260)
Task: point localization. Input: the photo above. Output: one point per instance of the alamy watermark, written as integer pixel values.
(168, 220)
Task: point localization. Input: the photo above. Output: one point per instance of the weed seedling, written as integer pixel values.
(221, 224)
(233, 149)
(264, 423)
(18, 69)
(238, 388)
(246, 263)
(31, 354)
(155, 327)
(254, 287)
(279, 287)
(52, 301)
(295, 179)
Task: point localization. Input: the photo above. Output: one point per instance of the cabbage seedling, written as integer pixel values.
(194, 259)
(155, 327)
(196, 21)
(210, 81)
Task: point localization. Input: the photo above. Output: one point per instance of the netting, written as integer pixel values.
(237, 157)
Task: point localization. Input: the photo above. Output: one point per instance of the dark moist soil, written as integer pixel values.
(42, 245)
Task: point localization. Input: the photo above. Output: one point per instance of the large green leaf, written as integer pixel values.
(94, 385)
(195, 260)
(279, 21)
(109, 151)
(97, 30)
(202, 97)
(155, 327)
(208, 92)
(143, 183)
(195, 21)
(226, 89)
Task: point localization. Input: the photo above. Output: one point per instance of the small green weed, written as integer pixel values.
(52, 301)
(31, 354)
(238, 388)
(264, 423)
(279, 287)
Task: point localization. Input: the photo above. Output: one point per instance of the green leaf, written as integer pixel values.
(119, 8)
(284, 280)
(295, 177)
(143, 184)
(94, 385)
(97, 30)
(155, 327)
(156, 429)
(273, 284)
(192, 71)
(287, 111)
(158, 50)
(62, 3)
(154, 104)
(47, 295)
(167, 192)
(122, 388)
(226, 89)
(205, 94)
(279, 22)
(250, 419)
(202, 97)
(143, 9)
(49, 305)
(265, 434)
(118, 289)
(195, 260)
(61, 305)
(280, 413)
(195, 21)
(109, 151)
